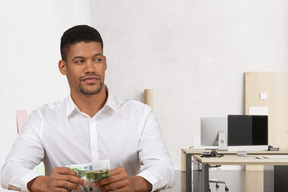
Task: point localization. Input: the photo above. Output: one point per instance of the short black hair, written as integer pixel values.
(78, 34)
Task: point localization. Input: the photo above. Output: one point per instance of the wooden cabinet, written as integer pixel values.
(274, 87)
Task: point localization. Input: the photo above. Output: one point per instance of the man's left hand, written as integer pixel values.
(119, 181)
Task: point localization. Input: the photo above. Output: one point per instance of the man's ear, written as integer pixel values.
(62, 67)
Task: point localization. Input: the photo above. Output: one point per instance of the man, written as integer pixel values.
(89, 125)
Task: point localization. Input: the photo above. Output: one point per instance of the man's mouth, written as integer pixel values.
(90, 79)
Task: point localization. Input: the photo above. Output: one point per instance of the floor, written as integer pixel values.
(237, 180)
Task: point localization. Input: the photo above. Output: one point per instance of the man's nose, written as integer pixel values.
(89, 67)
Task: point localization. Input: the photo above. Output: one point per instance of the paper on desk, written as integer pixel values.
(276, 156)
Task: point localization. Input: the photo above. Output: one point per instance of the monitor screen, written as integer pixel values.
(247, 130)
(210, 128)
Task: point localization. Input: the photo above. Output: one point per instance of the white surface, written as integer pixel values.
(258, 110)
(30, 37)
(192, 53)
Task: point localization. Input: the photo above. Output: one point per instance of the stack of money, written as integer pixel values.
(93, 171)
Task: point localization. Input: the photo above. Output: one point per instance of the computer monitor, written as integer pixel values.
(247, 132)
(210, 129)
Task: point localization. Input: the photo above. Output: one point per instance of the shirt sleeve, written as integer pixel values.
(26, 153)
(154, 156)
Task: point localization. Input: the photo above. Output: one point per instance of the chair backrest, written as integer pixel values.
(21, 118)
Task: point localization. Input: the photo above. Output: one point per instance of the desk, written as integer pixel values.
(230, 158)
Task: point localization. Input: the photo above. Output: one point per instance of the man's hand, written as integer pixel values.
(61, 179)
(119, 181)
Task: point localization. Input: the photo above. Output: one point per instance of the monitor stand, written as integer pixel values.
(222, 142)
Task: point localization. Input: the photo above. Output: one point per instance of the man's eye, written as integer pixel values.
(98, 59)
(79, 61)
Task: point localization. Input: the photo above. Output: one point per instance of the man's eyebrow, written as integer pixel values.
(80, 57)
(98, 54)
(77, 57)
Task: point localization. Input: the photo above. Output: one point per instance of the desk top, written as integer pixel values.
(238, 160)
(195, 151)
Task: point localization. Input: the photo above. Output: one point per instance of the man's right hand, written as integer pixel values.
(61, 179)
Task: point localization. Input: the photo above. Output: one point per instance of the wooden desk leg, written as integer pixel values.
(205, 178)
(188, 173)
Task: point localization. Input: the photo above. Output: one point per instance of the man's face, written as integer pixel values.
(85, 68)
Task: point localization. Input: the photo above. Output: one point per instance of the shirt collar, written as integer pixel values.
(71, 106)
(111, 101)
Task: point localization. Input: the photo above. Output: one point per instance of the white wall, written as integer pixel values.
(30, 40)
(193, 53)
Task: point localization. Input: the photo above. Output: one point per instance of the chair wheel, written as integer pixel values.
(226, 188)
(217, 185)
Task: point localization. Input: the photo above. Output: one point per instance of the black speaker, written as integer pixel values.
(280, 178)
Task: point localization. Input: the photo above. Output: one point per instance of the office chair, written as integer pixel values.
(214, 153)
(218, 181)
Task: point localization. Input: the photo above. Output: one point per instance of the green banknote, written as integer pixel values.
(93, 171)
(97, 174)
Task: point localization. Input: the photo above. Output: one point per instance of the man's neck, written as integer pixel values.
(90, 104)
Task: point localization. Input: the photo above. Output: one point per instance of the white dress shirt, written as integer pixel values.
(124, 131)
